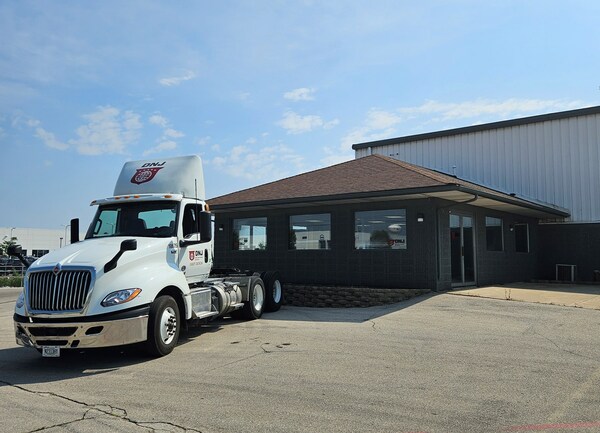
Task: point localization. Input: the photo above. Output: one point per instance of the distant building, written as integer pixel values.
(36, 242)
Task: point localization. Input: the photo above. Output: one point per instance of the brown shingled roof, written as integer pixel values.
(374, 174)
(368, 174)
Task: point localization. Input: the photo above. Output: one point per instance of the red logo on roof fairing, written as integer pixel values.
(143, 175)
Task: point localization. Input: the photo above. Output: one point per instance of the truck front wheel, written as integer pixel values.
(163, 326)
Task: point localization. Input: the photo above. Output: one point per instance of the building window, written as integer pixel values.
(380, 229)
(493, 234)
(250, 234)
(310, 232)
(522, 238)
(39, 253)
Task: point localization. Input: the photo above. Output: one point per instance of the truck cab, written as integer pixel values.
(142, 272)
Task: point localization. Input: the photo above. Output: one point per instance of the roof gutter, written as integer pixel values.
(517, 202)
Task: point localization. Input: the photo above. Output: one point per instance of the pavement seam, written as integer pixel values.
(112, 411)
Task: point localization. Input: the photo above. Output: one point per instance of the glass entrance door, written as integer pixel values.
(462, 250)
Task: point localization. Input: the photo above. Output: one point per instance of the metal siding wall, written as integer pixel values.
(555, 162)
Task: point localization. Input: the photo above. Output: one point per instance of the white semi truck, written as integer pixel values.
(143, 272)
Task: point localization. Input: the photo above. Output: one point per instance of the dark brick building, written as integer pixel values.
(380, 222)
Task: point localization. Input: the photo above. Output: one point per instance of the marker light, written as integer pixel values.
(21, 300)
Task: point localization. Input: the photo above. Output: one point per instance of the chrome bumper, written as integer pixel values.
(104, 332)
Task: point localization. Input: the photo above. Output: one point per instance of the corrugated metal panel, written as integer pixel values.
(555, 161)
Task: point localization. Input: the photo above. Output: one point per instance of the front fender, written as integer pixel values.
(151, 278)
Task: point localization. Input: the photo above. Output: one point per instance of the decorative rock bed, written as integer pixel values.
(345, 297)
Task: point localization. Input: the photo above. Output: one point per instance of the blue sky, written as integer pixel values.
(262, 90)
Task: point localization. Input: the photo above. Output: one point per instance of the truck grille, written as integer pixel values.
(66, 291)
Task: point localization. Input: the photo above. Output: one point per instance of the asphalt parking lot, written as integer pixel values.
(437, 363)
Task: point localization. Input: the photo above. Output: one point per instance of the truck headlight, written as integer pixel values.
(21, 300)
(120, 297)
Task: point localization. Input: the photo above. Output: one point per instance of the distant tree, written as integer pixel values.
(7, 243)
(292, 238)
(380, 239)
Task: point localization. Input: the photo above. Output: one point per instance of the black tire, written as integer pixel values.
(163, 326)
(274, 290)
(253, 309)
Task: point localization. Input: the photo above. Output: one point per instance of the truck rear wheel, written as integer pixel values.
(274, 290)
(253, 309)
(163, 326)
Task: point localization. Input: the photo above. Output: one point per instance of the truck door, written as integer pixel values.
(195, 254)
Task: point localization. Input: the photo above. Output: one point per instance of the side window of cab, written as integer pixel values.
(190, 222)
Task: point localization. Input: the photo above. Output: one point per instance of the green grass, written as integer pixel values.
(12, 281)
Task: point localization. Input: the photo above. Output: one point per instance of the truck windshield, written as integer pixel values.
(145, 219)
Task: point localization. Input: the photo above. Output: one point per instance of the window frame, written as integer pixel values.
(290, 230)
(527, 238)
(236, 242)
(380, 213)
(487, 233)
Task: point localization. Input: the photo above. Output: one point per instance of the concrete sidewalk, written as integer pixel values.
(568, 295)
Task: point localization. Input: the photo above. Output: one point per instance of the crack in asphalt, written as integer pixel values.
(102, 410)
(562, 348)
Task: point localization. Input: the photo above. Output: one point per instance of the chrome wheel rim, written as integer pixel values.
(258, 297)
(168, 325)
(277, 291)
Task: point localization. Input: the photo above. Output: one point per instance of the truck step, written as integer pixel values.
(205, 314)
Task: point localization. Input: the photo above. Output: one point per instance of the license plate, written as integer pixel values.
(50, 351)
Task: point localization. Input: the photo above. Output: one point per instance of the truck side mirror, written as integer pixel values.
(17, 251)
(129, 245)
(14, 250)
(205, 226)
(126, 245)
(74, 230)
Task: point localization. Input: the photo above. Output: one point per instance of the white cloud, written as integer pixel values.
(434, 115)
(50, 140)
(176, 81)
(244, 96)
(297, 124)
(335, 156)
(262, 165)
(251, 140)
(107, 132)
(161, 147)
(331, 124)
(506, 109)
(157, 119)
(301, 94)
(380, 119)
(170, 132)
(166, 141)
(203, 141)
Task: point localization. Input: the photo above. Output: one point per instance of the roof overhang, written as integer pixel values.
(454, 193)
